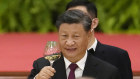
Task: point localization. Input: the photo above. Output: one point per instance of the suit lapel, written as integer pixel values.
(90, 66)
(59, 66)
(99, 47)
(99, 52)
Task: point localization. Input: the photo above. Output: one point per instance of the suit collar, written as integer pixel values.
(100, 51)
(59, 66)
(99, 47)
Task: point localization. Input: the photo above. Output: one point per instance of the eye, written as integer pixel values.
(64, 35)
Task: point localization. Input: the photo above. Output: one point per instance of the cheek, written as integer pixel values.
(61, 43)
(83, 43)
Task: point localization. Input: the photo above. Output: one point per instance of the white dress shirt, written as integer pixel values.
(79, 70)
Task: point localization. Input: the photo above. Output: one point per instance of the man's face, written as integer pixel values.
(73, 41)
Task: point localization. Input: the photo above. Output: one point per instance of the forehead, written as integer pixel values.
(80, 7)
(75, 27)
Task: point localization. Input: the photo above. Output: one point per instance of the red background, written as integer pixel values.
(18, 51)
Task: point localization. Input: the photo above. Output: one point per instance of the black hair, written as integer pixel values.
(74, 16)
(91, 8)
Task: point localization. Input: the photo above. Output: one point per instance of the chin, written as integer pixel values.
(70, 55)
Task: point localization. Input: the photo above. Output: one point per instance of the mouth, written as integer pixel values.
(71, 49)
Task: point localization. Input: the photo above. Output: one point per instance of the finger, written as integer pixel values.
(47, 71)
(40, 76)
(49, 68)
(52, 69)
(44, 76)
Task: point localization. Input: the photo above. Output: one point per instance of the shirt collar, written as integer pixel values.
(80, 63)
(93, 45)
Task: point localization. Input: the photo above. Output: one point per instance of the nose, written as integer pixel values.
(69, 42)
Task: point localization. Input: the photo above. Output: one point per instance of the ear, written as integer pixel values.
(94, 24)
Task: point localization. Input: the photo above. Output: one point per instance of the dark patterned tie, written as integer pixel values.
(72, 70)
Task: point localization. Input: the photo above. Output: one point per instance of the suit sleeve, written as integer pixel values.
(115, 75)
(34, 71)
(37, 66)
(125, 63)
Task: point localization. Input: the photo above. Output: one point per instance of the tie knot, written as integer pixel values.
(73, 66)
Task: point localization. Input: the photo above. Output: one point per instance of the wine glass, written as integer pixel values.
(52, 51)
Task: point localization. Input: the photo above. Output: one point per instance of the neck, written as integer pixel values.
(92, 40)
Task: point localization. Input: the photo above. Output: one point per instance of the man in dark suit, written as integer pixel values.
(74, 28)
(114, 55)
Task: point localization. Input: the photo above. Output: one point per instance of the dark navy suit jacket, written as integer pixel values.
(94, 67)
(115, 56)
